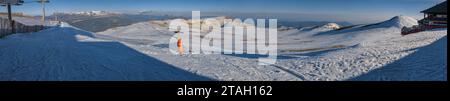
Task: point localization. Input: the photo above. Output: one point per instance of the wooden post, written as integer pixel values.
(10, 18)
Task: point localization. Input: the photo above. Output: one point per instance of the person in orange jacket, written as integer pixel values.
(180, 43)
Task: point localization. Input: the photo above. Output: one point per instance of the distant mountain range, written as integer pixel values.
(302, 24)
(98, 21)
(95, 13)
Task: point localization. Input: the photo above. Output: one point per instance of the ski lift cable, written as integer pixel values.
(34, 1)
(28, 2)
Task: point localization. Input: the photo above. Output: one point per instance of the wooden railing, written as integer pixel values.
(7, 29)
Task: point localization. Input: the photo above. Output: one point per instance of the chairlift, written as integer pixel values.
(11, 2)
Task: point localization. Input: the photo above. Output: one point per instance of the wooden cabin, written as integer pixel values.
(435, 17)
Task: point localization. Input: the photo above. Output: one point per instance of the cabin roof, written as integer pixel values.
(440, 9)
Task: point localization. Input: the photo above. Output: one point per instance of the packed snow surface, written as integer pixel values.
(141, 52)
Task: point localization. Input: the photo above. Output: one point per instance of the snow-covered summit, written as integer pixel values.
(94, 13)
(322, 28)
(399, 22)
(331, 26)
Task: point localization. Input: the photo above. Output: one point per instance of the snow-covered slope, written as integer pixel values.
(140, 52)
(319, 37)
(67, 53)
(320, 53)
(139, 33)
(399, 22)
(427, 63)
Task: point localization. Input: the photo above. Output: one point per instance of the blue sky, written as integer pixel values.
(335, 9)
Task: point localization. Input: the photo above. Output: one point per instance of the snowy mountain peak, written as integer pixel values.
(322, 28)
(400, 21)
(94, 13)
(330, 26)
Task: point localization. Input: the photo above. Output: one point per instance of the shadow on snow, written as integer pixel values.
(61, 57)
(428, 63)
